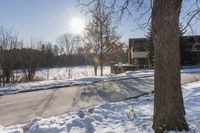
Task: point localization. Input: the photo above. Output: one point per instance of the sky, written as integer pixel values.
(48, 19)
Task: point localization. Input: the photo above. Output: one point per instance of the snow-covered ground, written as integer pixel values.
(48, 84)
(81, 75)
(132, 116)
(63, 73)
(77, 72)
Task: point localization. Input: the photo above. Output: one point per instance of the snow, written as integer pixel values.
(63, 72)
(119, 64)
(49, 84)
(131, 116)
(81, 75)
(190, 69)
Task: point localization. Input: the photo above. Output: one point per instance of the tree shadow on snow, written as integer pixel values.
(112, 91)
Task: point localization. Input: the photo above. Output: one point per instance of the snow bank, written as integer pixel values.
(132, 116)
(41, 85)
(49, 84)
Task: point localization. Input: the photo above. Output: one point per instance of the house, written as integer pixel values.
(190, 50)
(140, 52)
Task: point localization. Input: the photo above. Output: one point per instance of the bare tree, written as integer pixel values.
(8, 42)
(101, 32)
(68, 44)
(30, 60)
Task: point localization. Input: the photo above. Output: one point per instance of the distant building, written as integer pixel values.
(190, 50)
(140, 53)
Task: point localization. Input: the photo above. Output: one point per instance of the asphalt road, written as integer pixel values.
(22, 107)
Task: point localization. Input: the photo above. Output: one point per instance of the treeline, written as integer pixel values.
(29, 60)
(27, 57)
(20, 58)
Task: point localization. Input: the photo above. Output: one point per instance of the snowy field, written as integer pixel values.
(132, 116)
(80, 75)
(77, 72)
(49, 84)
(63, 73)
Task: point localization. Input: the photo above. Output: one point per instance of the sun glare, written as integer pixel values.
(77, 25)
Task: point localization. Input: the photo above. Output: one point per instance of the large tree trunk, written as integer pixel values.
(169, 112)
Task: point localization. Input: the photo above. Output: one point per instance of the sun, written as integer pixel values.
(77, 25)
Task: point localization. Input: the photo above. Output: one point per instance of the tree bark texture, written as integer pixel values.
(169, 112)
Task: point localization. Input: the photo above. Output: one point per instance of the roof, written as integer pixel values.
(143, 38)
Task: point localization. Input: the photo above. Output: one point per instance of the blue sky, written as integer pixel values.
(43, 19)
(47, 19)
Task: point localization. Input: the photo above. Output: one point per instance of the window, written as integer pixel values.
(196, 47)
